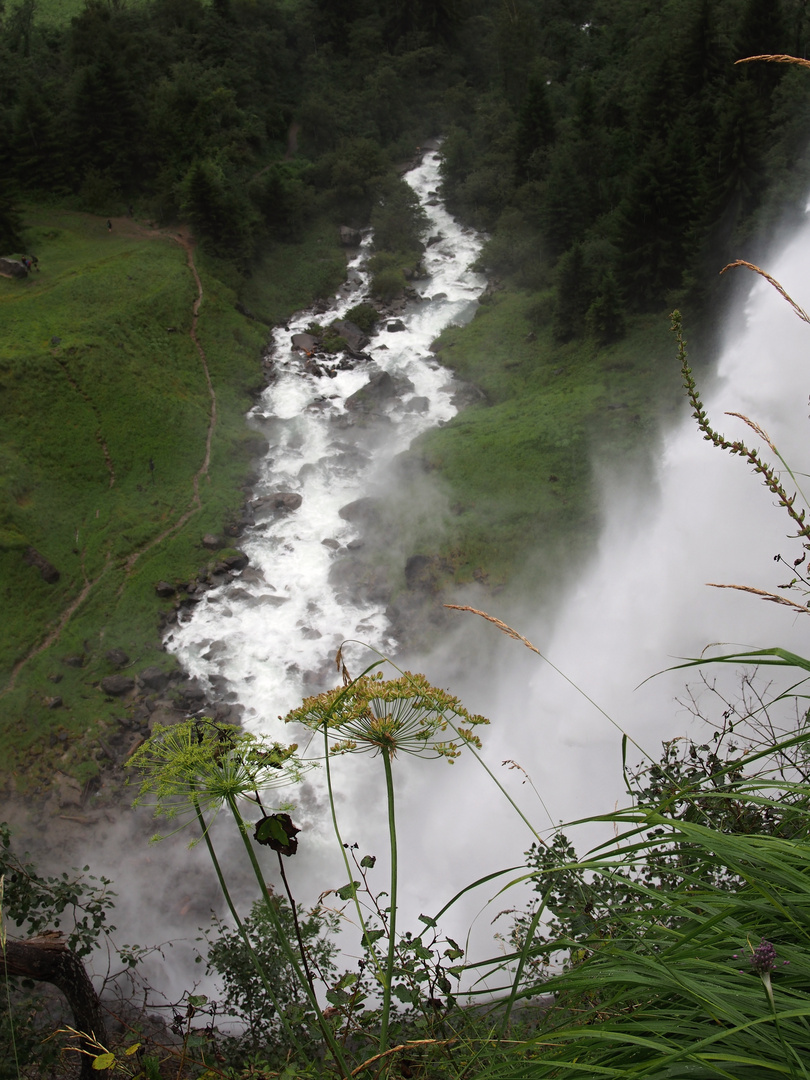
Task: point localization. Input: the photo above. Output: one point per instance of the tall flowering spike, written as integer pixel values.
(380, 716)
(201, 765)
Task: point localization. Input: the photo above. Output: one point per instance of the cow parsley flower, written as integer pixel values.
(199, 765)
(404, 715)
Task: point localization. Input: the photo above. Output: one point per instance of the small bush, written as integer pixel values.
(363, 315)
(388, 284)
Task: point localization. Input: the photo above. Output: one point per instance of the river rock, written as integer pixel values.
(190, 695)
(396, 326)
(365, 582)
(284, 501)
(154, 678)
(239, 560)
(165, 717)
(354, 337)
(211, 542)
(47, 571)
(117, 657)
(12, 268)
(217, 649)
(117, 685)
(365, 511)
(165, 589)
(466, 394)
(417, 404)
(371, 397)
(350, 237)
(273, 599)
(305, 342)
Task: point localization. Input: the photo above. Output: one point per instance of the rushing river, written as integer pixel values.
(267, 638)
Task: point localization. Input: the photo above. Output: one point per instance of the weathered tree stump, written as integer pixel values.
(46, 958)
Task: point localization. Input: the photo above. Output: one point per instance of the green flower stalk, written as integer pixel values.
(405, 715)
(200, 766)
(388, 717)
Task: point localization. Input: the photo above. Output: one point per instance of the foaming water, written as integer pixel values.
(269, 637)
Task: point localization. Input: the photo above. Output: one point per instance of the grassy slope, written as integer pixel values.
(81, 417)
(519, 468)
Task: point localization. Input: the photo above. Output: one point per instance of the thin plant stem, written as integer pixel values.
(8, 983)
(326, 1031)
(392, 920)
(524, 952)
(766, 982)
(296, 924)
(242, 929)
(504, 792)
(345, 857)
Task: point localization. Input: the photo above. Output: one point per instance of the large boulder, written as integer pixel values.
(372, 397)
(12, 268)
(238, 560)
(364, 512)
(283, 501)
(154, 678)
(354, 337)
(117, 685)
(305, 342)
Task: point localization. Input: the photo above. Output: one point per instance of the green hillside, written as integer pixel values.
(262, 127)
(106, 413)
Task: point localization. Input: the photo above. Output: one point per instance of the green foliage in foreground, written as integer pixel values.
(679, 947)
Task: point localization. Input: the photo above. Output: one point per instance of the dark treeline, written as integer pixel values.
(606, 145)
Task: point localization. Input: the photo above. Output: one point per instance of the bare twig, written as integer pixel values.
(396, 1050)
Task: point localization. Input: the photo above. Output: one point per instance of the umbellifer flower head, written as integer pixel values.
(199, 765)
(380, 716)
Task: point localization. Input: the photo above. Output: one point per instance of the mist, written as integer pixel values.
(643, 604)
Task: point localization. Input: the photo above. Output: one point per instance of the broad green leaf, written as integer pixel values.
(347, 892)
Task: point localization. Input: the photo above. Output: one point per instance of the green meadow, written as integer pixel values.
(105, 412)
(520, 468)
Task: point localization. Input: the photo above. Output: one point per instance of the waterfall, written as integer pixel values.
(644, 603)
